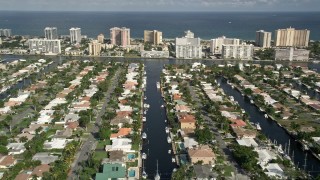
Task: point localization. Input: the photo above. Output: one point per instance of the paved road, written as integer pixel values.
(90, 144)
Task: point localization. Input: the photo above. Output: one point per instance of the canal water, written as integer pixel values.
(273, 131)
(156, 146)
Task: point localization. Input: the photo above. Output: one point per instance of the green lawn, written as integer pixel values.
(132, 164)
(99, 155)
(102, 144)
(228, 170)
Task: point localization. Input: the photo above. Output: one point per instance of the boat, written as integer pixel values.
(167, 130)
(232, 86)
(144, 156)
(251, 101)
(169, 139)
(145, 112)
(266, 115)
(165, 120)
(173, 160)
(258, 126)
(144, 135)
(144, 174)
(157, 176)
(169, 151)
(144, 119)
(280, 149)
(146, 105)
(162, 105)
(145, 98)
(158, 85)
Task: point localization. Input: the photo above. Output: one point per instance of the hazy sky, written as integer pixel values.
(161, 5)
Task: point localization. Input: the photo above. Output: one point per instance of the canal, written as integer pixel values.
(273, 131)
(156, 146)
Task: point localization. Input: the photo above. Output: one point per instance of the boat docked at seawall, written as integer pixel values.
(144, 135)
(144, 156)
(169, 139)
(158, 85)
(144, 119)
(258, 127)
(167, 130)
(157, 176)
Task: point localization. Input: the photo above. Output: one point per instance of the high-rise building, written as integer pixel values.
(241, 52)
(216, 44)
(120, 36)
(100, 38)
(263, 39)
(44, 46)
(292, 54)
(154, 37)
(188, 47)
(291, 37)
(5, 32)
(75, 35)
(51, 33)
(95, 48)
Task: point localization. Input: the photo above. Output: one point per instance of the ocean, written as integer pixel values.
(206, 25)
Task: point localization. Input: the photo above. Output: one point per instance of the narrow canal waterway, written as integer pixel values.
(273, 131)
(156, 146)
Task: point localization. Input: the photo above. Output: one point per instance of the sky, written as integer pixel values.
(160, 5)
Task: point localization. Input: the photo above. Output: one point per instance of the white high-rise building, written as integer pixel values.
(240, 52)
(291, 37)
(51, 33)
(263, 39)
(216, 44)
(44, 46)
(188, 47)
(5, 32)
(75, 35)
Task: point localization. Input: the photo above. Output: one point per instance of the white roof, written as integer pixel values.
(247, 142)
(274, 170)
(56, 143)
(190, 142)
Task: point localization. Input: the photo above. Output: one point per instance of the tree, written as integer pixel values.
(3, 149)
(203, 135)
(245, 156)
(3, 140)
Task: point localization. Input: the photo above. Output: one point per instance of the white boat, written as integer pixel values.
(167, 130)
(169, 139)
(258, 126)
(144, 119)
(169, 151)
(165, 120)
(162, 105)
(145, 112)
(157, 176)
(144, 156)
(173, 160)
(158, 85)
(144, 175)
(266, 115)
(251, 101)
(144, 135)
(145, 98)
(280, 149)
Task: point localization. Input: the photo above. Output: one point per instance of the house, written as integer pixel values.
(39, 170)
(120, 144)
(204, 172)
(34, 128)
(26, 135)
(244, 133)
(122, 133)
(203, 153)
(274, 170)
(16, 148)
(187, 121)
(265, 156)
(249, 142)
(120, 121)
(7, 161)
(72, 125)
(115, 156)
(45, 158)
(237, 123)
(182, 108)
(112, 171)
(56, 143)
(65, 133)
(190, 142)
(71, 117)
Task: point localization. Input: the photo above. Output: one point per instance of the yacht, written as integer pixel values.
(280, 149)
(251, 101)
(162, 105)
(145, 112)
(258, 126)
(167, 130)
(157, 176)
(144, 156)
(144, 119)
(146, 105)
(144, 174)
(169, 151)
(144, 135)
(158, 85)
(169, 139)
(173, 160)
(145, 98)
(266, 115)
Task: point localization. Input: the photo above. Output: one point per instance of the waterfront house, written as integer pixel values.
(244, 133)
(120, 121)
(121, 133)
(112, 171)
(249, 142)
(120, 144)
(190, 142)
(203, 153)
(182, 108)
(265, 156)
(115, 156)
(187, 121)
(274, 170)
(237, 123)
(7, 161)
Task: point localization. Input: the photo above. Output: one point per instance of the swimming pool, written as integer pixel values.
(132, 173)
(131, 156)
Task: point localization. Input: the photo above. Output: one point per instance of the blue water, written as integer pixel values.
(131, 156)
(206, 25)
(132, 173)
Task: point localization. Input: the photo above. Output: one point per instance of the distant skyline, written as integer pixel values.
(160, 5)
